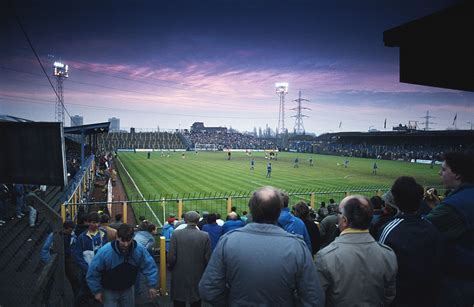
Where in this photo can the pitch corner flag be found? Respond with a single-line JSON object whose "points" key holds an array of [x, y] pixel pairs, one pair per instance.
{"points": [[455, 118], [340, 124], [385, 124]]}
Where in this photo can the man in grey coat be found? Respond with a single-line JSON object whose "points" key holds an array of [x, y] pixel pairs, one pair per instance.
{"points": [[355, 269], [261, 264], [190, 250]]}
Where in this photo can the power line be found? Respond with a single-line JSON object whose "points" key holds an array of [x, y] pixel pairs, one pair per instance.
{"points": [[119, 89], [44, 101]]}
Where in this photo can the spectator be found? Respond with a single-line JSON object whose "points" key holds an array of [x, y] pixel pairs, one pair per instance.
{"points": [[219, 221], [167, 232], [233, 222], [117, 222], [146, 236], [417, 244], [214, 230], [233, 209], [328, 227], [389, 211], [302, 212], [113, 271], [322, 212], [87, 245], [261, 264], [376, 202], [203, 220], [355, 269], [292, 224], [244, 217], [104, 223], [180, 222], [454, 218], [82, 222], [70, 266], [188, 265]]}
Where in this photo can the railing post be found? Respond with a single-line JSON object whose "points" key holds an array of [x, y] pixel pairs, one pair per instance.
{"points": [[63, 212], [163, 266], [229, 204], [124, 206], [180, 208], [72, 211], [311, 202]]}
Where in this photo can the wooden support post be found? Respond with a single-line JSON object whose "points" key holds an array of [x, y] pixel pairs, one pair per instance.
{"points": [[311, 202], [229, 204], [125, 212], [163, 290], [72, 211], [180, 208], [63, 212]]}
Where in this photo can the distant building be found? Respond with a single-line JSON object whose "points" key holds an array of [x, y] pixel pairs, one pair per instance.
{"points": [[199, 127], [77, 120], [114, 124]]}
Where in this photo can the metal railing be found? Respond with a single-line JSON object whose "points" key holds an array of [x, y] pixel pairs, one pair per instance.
{"points": [[157, 208]]}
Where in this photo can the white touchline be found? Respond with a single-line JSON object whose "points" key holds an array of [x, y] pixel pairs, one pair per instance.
{"points": [[136, 187]]}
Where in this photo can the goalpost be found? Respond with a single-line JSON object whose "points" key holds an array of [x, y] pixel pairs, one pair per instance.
{"points": [[205, 147]]}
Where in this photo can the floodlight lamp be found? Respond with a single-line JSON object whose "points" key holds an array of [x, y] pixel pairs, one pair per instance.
{"points": [[58, 65], [281, 87]]}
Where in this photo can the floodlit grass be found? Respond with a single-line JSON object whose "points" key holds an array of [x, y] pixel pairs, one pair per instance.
{"points": [[211, 174]]}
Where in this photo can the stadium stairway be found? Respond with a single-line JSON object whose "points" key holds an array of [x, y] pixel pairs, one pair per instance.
{"points": [[20, 249]]}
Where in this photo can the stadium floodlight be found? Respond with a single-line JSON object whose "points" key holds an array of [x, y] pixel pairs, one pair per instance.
{"points": [[281, 87], [281, 90], [61, 69]]}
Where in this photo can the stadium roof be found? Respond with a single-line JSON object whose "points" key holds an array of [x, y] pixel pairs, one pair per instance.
{"points": [[88, 129], [436, 50], [9, 118]]}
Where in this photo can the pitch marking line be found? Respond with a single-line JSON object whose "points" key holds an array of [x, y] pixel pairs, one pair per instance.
{"points": [[136, 187]]}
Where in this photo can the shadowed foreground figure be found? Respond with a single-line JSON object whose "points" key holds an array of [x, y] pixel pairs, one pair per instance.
{"points": [[261, 264], [190, 250], [454, 218]]}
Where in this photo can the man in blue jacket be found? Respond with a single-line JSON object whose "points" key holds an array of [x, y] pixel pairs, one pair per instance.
{"points": [[291, 223], [113, 271], [87, 245]]}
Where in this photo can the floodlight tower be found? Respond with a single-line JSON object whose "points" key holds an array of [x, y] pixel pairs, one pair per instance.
{"points": [[61, 73], [299, 128], [281, 90]]}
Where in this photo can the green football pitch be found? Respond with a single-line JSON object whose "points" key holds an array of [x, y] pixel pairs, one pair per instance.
{"points": [[208, 174]]}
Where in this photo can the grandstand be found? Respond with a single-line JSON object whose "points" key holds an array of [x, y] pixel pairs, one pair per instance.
{"points": [[24, 280], [141, 140], [394, 145]]}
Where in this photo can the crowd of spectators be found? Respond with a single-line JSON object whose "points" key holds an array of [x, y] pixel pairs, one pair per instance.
{"points": [[386, 152], [229, 140]]}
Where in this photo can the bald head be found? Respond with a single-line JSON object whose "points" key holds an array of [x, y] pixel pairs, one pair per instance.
{"points": [[232, 215], [265, 205], [191, 217], [357, 211]]}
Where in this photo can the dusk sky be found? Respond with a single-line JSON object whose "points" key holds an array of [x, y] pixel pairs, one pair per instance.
{"points": [[171, 63]]}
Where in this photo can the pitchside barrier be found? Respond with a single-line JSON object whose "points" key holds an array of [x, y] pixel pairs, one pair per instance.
{"points": [[157, 208]]}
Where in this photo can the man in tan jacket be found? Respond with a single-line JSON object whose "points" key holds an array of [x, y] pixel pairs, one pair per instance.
{"points": [[355, 269]]}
